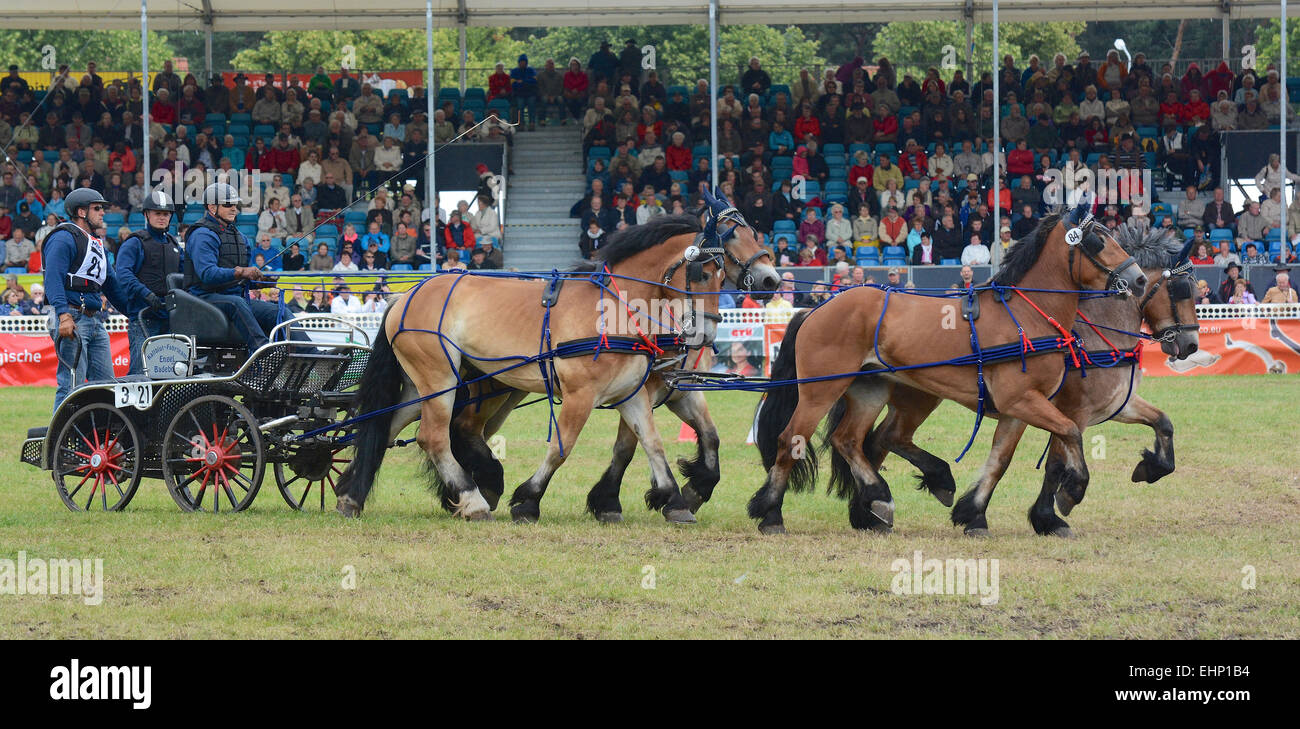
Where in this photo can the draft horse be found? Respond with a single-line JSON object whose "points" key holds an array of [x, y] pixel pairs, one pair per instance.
{"points": [[1105, 390], [912, 339], [440, 333]]}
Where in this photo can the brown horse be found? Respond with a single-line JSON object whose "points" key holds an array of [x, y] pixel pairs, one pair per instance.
{"points": [[1108, 391], [907, 339], [443, 332]]}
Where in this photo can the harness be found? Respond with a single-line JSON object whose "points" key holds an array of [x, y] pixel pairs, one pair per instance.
{"points": [[1085, 238], [1179, 288]]}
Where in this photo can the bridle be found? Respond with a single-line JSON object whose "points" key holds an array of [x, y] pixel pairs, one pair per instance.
{"points": [[1177, 282], [1085, 237]]}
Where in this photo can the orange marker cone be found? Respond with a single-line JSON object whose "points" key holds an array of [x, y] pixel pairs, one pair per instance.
{"points": [[686, 434]]}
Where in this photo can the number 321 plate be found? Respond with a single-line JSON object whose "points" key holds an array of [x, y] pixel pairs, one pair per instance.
{"points": [[133, 394]]}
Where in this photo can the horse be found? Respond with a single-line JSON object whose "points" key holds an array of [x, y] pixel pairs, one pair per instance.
{"points": [[453, 326], [744, 271], [895, 337], [1088, 397]]}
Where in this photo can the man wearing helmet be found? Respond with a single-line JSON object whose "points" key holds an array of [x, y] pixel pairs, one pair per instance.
{"points": [[216, 270], [76, 274], [143, 261]]}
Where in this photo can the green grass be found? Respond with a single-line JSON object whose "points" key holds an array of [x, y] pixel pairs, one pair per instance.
{"points": [[1151, 561]]}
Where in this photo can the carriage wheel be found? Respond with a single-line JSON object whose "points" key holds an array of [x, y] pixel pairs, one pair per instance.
{"points": [[212, 453], [307, 474], [99, 448]]}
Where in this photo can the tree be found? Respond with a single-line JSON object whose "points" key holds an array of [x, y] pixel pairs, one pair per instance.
{"points": [[111, 50], [224, 46], [915, 47], [681, 51], [302, 51], [1268, 47]]}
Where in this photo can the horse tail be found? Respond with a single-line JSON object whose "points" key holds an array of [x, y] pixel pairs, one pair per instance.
{"points": [[776, 408], [380, 388], [842, 482]]}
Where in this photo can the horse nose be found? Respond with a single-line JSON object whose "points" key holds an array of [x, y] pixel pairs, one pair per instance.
{"points": [[770, 282], [1191, 348], [1140, 282]]}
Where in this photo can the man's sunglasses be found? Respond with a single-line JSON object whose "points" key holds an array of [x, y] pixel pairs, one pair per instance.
{"points": [[228, 205], [100, 208]]}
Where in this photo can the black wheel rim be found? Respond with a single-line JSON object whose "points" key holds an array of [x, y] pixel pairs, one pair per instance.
{"points": [[212, 456], [303, 486], [96, 460]]}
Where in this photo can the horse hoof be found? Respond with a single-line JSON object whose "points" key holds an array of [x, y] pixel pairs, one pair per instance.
{"points": [[883, 529], [609, 517], [770, 529], [679, 516], [522, 514], [1064, 502], [348, 508], [491, 497], [978, 533], [944, 497], [479, 516], [884, 511], [1064, 532], [693, 500]]}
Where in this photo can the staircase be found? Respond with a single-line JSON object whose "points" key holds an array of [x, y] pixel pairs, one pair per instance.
{"points": [[547, 181]]}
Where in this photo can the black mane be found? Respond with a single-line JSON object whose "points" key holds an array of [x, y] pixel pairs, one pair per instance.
{"points": [[1150, 247], [636, 238], [1020, 257]]}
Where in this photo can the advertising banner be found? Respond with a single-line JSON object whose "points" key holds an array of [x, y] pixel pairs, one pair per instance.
{"points": [[28, 359]]}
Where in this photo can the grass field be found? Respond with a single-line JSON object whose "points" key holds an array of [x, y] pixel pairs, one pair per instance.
{"points": [[1151, 561]]}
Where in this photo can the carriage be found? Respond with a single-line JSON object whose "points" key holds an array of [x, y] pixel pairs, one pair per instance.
{"points": [[208, 417]]}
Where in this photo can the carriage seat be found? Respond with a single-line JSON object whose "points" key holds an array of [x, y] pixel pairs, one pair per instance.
{"points": [[197, 318]]}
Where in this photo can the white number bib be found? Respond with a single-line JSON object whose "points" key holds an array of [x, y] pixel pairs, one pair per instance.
{"points": [[94, 267]]}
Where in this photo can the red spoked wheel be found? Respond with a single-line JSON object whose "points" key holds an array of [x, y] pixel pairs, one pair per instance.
{"points": [[212, 457], [96, 461], [310, 475]]}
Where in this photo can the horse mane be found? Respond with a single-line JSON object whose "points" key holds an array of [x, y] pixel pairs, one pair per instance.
{"points": [[1151, 247], [633, 239], [1022, 256]]}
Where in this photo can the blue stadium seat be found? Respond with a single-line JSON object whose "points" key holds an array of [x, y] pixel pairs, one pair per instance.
{"points": [[831, 148], [241, 118], [679, 175], [888, 148], [113, 220], [135, 220], [833, 188], [811, 189], [855, 148], [894, 252], [703, 150], [476, 93], [401, 267], [50, 156], [15, 271], [1219, 234], [246, 218], [950, 262], [894, 261], [599, 152], [782, 226], [239, 130], [265, 131], [236, 157]]}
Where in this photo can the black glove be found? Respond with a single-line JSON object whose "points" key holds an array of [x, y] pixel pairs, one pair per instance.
{"points": [[155, 303]]}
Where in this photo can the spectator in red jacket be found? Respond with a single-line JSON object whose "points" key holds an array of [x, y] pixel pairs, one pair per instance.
{"points": [[281, 157], [806, 127], [913, 162], [499, 84], [162, 110], [1173, 111], [1194, 80], [1220, 79], [575, 89], [678, 156], [1196, 111], [650, 122], [862, 167], [886, 128], [1020, 161]]}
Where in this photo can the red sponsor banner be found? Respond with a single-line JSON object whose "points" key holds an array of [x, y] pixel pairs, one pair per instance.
{"points": [[1234, 347], [772, 336], [29, 359], [384, 81]]}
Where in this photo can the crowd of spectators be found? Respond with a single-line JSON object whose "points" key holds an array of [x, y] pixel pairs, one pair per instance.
{"points": [[898, 171], [334, 145]]}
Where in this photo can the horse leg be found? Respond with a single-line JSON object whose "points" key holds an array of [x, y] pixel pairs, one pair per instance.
{"points": [[1042, 515], [1159, 463], [663, 495], [970, 511], [458, 490], [794, 444], [470, 432], [1066, 475], [703, 473], [602, 500], [525, 502], [871, 505], [908, 409]]}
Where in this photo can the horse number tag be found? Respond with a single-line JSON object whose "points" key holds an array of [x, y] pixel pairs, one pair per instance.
{"points": [[691, 253], [1074, 236]]}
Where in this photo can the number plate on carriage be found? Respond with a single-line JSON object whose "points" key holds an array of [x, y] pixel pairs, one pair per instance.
{"points": [[138, 395]]}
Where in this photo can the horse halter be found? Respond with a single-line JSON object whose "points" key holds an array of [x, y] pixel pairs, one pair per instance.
{"points": [[1177, 282], [1087, 239]]}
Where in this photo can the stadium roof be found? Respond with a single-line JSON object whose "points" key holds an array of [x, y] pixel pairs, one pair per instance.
{"points": [[230, 15]]}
